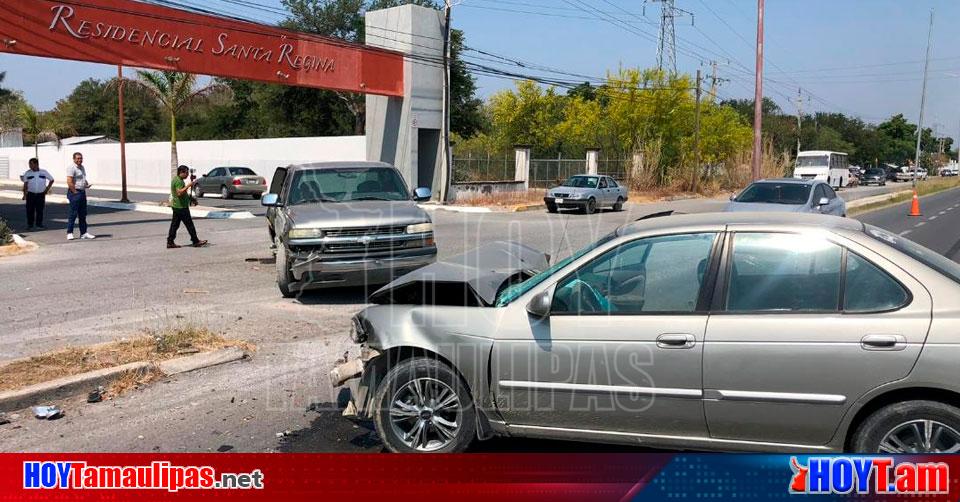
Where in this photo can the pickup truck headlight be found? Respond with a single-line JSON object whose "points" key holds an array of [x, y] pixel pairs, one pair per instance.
{"points": [[305, 233], [420, 228]]}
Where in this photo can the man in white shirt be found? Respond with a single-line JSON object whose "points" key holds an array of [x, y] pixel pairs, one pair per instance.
{"points": [[36, 185], [77, 186]]}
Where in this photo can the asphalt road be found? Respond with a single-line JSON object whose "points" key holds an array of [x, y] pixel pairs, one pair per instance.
{"points": [[80, 292]]}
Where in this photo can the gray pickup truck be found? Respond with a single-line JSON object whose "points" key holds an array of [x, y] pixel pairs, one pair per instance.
{"points": [[345, 224]]}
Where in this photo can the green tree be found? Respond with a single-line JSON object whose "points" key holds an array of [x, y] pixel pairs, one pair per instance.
{"points": [[40, 127], [4, 93], [92, 108], [174, 91]]}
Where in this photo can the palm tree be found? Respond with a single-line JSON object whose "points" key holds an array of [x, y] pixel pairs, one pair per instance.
{"points": [[174, 91], [42, 126]]}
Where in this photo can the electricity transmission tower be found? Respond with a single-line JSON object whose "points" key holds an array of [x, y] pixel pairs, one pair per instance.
{"points": [[667, 43]]}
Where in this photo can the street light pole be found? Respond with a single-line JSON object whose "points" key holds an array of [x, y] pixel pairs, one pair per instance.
{"points": [[923, 102], [758, 97], [447, 161], [123, 136]]}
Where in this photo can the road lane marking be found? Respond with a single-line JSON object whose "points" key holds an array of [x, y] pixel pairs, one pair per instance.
{"points": [[906, 232], [933, 217], [922, 223], [942, 213]]}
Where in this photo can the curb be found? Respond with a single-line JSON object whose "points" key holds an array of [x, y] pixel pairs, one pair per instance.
{"points": [[455, 209], [528, 207], [145, 207], [61, 388], [853, 204]]}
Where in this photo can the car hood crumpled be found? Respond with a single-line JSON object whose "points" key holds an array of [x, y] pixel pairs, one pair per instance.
{"points": [[470, 279]]}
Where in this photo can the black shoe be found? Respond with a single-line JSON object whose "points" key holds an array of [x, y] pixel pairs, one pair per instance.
{"points": [[29, 228], [41, 227], [171, 245], [199, 244]]}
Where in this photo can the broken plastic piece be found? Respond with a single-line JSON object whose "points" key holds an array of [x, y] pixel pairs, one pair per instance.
{"points": [[47, 412], [96, 396]]}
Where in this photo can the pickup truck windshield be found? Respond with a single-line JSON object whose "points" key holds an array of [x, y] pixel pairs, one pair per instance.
{"points": [[511, 293], [581, 182], [775, 193], [346, 184]]}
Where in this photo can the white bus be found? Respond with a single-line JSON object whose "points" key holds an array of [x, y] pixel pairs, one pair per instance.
{"points": [[831, 167]]}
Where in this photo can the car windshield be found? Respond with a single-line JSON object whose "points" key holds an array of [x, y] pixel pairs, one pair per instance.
{"points": [[775, 193], [874, 172], [346, 184], [242, 171], [511, 293], [926, 256], [581, 182]]}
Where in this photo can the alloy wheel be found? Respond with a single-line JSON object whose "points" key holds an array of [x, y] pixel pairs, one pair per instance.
{"points": [[921, 436], [425, 414]]}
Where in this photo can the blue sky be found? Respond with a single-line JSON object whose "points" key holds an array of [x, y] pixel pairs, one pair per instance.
{"points": [[861, 57]]}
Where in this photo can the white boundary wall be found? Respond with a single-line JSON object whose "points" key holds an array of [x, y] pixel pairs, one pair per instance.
{"points": [[148, 164]]}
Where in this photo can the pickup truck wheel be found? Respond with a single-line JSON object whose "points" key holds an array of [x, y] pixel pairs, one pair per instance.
{"points": [[619, 205], [591, 206], [422, 406], [910, 427], [284, 277]]}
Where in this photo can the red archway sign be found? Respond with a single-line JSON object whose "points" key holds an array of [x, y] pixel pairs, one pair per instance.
{"points": [[131, 33]]}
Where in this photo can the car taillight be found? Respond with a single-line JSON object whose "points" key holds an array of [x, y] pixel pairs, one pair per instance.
{"points": [[237, 181], [263, 181]]}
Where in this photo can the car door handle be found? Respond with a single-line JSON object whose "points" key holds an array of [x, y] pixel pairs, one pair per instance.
{"points": [[883, 342], [676, 341]]}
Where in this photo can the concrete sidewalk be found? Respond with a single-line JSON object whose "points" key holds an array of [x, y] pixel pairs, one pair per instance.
{"points": [[146, 207]]}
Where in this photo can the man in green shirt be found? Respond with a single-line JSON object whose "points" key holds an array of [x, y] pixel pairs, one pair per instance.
{"points": [[180, 204]]}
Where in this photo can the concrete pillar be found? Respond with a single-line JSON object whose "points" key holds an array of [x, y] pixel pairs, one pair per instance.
{"points": [[406, 132], [636, 166], [593, 160], [521, 171]]}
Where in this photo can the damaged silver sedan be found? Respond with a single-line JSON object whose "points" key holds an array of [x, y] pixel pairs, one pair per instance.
{"points": [[748, 331]]}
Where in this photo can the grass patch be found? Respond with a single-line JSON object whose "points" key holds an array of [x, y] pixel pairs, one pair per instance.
{"points": [[152, 346], [928, 187]]}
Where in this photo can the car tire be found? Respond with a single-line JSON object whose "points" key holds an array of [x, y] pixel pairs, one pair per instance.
{"points": [[619, 205], [880, 430], [224, 192], [591, 206], [552, 208], [435, 380], [285, 280]]}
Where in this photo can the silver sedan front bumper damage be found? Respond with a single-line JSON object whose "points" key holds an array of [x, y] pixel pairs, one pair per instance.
{"points": [[350, 373]]}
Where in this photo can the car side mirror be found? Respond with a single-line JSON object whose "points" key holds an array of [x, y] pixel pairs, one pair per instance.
{"points": [[270, 200], [422, 194], [733, 197], [539, 306], [823, 201]]}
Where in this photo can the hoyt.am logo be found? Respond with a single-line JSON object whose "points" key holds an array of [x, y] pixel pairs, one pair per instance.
{"points": [[868, 475]]}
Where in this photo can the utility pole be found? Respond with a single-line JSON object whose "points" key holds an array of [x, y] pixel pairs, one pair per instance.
{"points": [[758, 97], [713, 81], [923, 101], [696, 138], [799, 103], [447, 161], [123, 136]]}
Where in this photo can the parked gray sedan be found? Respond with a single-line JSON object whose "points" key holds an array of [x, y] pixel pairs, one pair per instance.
{"points": [[788, 195], [345, 224], [587, 193], [744, 331], [230, 181]]}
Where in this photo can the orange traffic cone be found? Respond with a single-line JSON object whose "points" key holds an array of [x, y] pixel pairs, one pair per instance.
{"points": [[915, 207]]}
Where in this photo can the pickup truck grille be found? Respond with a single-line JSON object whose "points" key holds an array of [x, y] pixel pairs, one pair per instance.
{"points": [[352, 247], [359, 232]]}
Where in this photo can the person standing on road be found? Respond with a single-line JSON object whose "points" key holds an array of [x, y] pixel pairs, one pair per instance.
{"points": [[36, 186], [180, 204], [77, 186]]}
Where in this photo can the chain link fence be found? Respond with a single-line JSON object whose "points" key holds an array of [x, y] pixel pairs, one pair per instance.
{"points": [[499, 167]]}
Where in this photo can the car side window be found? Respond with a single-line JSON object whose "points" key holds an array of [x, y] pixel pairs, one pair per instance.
{"points": [[612, 182], [774, 272], [276, 184], [818, 193], [603, 183], [828, 190], [867, 288], [217, 172], [657, 274]]}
